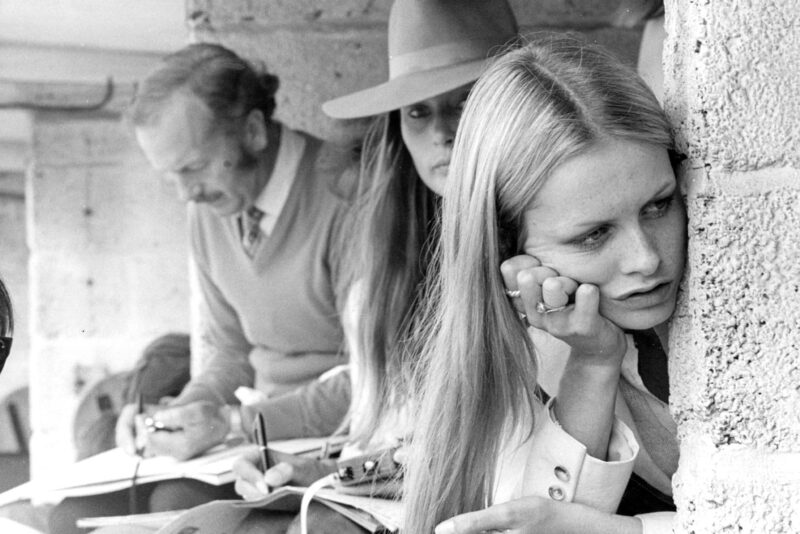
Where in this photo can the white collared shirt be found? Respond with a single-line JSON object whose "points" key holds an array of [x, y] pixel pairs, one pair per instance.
{"points": [[273, 197]]}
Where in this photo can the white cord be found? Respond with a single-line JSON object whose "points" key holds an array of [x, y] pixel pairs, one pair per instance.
{"points": [[308, 496]]}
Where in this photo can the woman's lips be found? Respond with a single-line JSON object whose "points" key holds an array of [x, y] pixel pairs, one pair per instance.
{"points": [[441, 166], [652, 297], [645, 299]]}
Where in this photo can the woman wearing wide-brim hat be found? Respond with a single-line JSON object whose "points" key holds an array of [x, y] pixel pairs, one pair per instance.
{"points": [[437, 49]]}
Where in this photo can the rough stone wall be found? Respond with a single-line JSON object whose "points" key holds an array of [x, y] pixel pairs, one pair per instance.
{"points": [[321, 49], [107, 268], [732, 80]]}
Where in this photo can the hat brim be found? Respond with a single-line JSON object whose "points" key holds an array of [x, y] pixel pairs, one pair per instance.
{"points": [[404, 90]]}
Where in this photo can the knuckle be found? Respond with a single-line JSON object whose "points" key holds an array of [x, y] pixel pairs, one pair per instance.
{"points": [[239, 466], [508, 269], [586, 290], [569, 284], [526, 278]]}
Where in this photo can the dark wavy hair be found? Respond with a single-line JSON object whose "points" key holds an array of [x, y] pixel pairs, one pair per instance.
{"points": [[387, 254], [6, 312], [6, 324], [230, 86]]}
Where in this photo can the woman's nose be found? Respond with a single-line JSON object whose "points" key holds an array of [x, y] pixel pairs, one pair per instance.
{"points": [[444, 130], [640, 254]]}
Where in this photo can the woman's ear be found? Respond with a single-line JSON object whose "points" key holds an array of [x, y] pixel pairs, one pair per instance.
{"points": [[255, 131]]}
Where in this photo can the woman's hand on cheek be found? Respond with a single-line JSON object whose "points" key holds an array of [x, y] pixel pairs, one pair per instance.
{"points": [[538, 515], [562, 307], [510, 269]]}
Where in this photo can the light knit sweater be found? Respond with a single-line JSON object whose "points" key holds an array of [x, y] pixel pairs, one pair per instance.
{"points": [[271, 319]]}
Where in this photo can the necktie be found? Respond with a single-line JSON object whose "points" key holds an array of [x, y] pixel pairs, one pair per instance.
{"points": [[652, 363], [249, 229]]}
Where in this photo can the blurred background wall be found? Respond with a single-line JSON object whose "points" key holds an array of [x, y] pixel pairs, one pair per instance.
{"points": [[102, 270], [94, 250]]}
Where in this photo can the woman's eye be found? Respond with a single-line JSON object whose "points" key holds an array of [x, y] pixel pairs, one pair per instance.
{"points": [[417, 112], [593, 239], [658, 208], [457, 110]]}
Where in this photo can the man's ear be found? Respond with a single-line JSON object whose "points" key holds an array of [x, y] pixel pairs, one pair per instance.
{"points": [[255, 131]]}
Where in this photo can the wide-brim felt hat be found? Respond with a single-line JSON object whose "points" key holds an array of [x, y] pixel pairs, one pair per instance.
{"points": [[435, 46]]}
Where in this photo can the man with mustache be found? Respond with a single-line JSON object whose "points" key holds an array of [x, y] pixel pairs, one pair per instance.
{"points": [[265, 203]]}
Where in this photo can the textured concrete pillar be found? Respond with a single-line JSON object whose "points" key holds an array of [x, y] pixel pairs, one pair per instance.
{"points": [[107, 266], [732, 81]]}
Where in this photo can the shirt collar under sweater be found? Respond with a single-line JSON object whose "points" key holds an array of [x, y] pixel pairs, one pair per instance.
{"points": [[273, 197]]}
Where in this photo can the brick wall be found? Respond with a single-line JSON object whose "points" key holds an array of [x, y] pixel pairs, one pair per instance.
{"points": [[732, 90]]}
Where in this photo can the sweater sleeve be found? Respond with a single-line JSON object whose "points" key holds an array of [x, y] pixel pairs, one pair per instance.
{"points": [[225, 349], [559, 467], [315, 410]]}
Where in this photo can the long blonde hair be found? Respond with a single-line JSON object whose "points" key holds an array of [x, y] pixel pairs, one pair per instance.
{"points": [[534, 108]]}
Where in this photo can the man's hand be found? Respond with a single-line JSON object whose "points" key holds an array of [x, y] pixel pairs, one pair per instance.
{"points": [[126, 429], [252, 484], [182, 431], [538, 515]]}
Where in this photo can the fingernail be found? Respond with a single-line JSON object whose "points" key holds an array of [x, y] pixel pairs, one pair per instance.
{"points": [[271, 478], [445, 528]]}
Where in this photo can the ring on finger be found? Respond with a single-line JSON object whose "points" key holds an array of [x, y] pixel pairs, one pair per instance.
{"points": [[512, 293], [543, 308]]}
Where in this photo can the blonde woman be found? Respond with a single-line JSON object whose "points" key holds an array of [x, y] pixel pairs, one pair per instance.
{"points": [[562, 173]]}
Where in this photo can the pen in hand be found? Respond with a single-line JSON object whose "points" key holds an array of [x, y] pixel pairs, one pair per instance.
{"points": [[139, 445], [260, 436], [137, 439]]}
